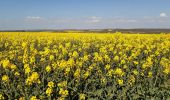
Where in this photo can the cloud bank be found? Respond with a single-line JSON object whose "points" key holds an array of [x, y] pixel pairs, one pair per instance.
{"points": [[90, 22], [163, 14]]}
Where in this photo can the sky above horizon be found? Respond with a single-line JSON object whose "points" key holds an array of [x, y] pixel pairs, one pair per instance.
{"points": [[83, 14]]}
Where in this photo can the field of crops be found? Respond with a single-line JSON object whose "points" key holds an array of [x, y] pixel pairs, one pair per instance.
{"points": [[86, 66]]}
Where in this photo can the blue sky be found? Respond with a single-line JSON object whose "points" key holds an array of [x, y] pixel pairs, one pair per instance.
{"points": [[84, 14]]}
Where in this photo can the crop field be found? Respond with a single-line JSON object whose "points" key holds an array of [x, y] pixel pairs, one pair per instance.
{"points": [[84, 66]]}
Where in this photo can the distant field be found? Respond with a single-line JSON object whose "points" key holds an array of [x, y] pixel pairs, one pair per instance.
{"points": [[134, 31], [93, 66]]}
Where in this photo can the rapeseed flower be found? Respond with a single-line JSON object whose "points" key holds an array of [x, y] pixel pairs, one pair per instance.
{"points": [[5, 78]]}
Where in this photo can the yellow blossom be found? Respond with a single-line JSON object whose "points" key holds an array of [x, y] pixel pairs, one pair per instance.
{"points": [[5, 63], [48, 68], [77, 73], [107, 67], [22, 98], [86, 74], [131, 79], [123, 61], [110, 72], [24, 44], [5, 78], [63, 92], [120, 81], [82, 96], [27, 69], [49, 91], [85, 58], [166, 70], [51, 84], [34, 78], [135, 62], [75, 54], [51, 57], [119, 72], [62, 84], [135, 72], [149, 74], [13, 67], [17, 74], [1, 97], [67, 70], [34, 98], [116, 58]]}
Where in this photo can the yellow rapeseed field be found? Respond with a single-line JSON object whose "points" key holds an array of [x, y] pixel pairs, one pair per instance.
{"points": [[83, 66]]}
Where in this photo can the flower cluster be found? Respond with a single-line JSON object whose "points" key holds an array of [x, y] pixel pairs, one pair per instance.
{"points": [[71, 66]]}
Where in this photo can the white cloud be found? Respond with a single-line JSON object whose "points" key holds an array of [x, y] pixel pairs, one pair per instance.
{"points": [[163, 14], [33, 17], [94, 19]]}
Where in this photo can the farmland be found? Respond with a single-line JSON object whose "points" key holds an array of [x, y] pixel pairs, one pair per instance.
{"points": [[62, 66]]}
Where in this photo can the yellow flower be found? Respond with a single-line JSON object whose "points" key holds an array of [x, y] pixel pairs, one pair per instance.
{"points": [[24, 44], [1, 97], [149, 74], [27, 69], [135, 62], [85, 58], [142, 73], [68, 45], [125, 67], [79, 64], [107, 67], [5, 63], [32, 59], [86, 74], [82, 96], [119, 72], [116, 58], [33, 98], [166, 70], [51, 57], [34, 78], [16, 73], [67, 70], [46, 51], [48, 68], [120, 81], [70, 62], [51, 84], [22, 98], [62, 64], [131, 79], [62, 84], [49, 91], [110, 73], [5, 78], [123, 61], [97, 57], [42, 59], [75, 54], [13, 67], [135, 72], [107, 58], [103, 80], [148, 63], [61, 98], [77, 73], [63, 92]]}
